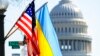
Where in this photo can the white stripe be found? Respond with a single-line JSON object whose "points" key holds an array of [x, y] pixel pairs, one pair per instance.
{"points": [[30, 33], [28, 16], [30, 25]]}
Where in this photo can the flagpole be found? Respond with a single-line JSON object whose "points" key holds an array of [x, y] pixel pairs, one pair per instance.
{"points": [[9, 34], [15, 23], [14, 26], [41, 7], [12, 32], [9, 31]]}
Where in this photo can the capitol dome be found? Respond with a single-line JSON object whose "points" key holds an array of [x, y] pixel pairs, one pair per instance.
{"points": [[66, 9], [71, 29]]}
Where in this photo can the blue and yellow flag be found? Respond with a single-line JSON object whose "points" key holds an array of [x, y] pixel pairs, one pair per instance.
{"points": [[48, 41]]}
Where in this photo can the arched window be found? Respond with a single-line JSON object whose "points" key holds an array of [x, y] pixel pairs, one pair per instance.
{"points": [[73, 30], [76, 30], [80, 30], [65, 14], [56, 14], [59, 14], [61, 45], [71, 14], [66, 29], [62, 13], [69, 30], [68, 14], [62, 29]]}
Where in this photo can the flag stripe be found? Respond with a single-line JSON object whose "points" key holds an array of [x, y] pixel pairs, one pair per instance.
{"points": [[27, 17], [24, 29], [49, 37], [28, 35], [44, 46], [26, 23], [35, 34]]}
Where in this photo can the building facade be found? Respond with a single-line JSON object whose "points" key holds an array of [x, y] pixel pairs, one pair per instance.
{"points": [[71, 29]]}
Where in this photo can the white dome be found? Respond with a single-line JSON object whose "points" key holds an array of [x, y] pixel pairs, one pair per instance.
{"points": [[66, 9], [71, 29]]}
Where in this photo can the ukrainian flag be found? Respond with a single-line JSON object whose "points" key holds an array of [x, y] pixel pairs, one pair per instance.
{"points": [[48, 42]]}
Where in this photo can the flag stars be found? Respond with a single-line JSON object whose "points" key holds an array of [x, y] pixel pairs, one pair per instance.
{"points": [[30, 9], [31, 14], [27, 11]]}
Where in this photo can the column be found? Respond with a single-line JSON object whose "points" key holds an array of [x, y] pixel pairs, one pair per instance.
{"points": [[72, 45], [81, 45], [90, 46], [76, 45], [64, 44], [68, 45], [82, 48], [84, 45]]}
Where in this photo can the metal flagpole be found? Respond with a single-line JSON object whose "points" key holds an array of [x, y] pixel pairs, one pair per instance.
{"points": [[13, 27]]}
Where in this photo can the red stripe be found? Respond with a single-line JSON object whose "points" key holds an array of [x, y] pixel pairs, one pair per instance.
{"points": [[31, 49], [24, 31], [35, 40], [25, 24], [24, 16], [28, 36], [30, 32], [35, 36]]}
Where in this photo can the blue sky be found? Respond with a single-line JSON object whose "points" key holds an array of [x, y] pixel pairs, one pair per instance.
{"points": [[90, 10]]}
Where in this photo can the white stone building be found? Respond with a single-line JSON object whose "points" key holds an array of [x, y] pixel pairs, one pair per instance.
{"points": [[71, 29]]}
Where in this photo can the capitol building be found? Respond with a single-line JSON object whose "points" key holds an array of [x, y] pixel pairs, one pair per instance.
{"points": [[71, 29]]}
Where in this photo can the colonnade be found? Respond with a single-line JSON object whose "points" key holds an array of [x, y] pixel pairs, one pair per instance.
{"points": [[75, 45]]}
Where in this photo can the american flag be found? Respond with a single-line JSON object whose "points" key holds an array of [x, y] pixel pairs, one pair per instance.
{"points": [[26, 24]]}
